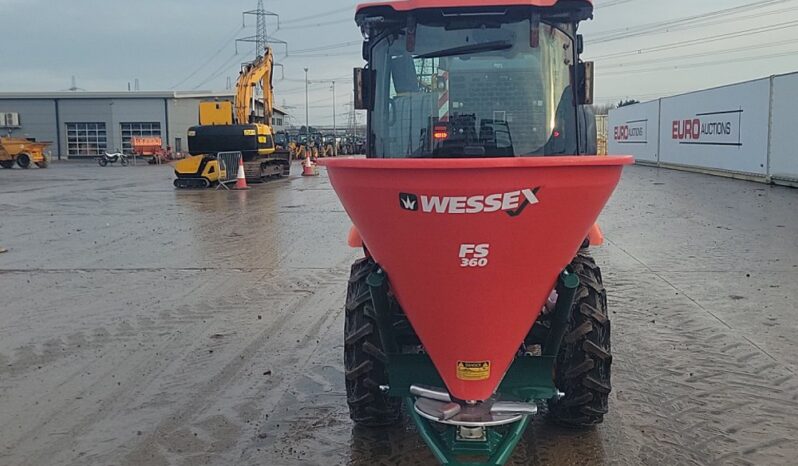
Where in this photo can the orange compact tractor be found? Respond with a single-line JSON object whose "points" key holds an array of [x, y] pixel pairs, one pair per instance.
{"points": [[476, 303]]}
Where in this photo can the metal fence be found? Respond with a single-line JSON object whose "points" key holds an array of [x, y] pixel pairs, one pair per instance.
{"points": [[228, 167], [744, 130], [601, 134]]}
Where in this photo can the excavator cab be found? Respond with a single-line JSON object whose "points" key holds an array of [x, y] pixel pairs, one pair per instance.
{"points": [[281, 140]]}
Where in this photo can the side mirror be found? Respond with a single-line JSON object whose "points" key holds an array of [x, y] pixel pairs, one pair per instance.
{"points": [[364, 89], [585, 74]]}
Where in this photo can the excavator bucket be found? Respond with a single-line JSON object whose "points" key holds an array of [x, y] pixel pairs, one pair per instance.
{"points": [[473, 247]]}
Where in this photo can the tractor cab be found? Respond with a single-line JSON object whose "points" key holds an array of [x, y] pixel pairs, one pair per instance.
{"points": [[477, 80]]}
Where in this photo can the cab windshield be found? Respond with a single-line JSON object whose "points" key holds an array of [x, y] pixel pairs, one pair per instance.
{"points": [[497, 90]]}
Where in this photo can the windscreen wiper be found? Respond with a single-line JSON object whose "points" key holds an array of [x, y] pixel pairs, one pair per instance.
{"points": [[466, 49]]}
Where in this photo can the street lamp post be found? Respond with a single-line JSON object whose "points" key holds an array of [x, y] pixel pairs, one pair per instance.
{"points": [[307, 109], [335, 130]]}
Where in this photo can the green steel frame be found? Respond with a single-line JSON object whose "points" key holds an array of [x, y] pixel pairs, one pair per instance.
{"points": [[528, 379], [497, 448]]}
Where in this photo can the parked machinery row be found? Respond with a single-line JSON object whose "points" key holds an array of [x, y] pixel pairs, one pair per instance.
{"points": [[319, 144]]}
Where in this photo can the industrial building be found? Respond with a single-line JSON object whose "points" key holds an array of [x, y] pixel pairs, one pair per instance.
{"points": [[86, 124]]}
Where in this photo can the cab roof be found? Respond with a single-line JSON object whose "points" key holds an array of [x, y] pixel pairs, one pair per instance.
{"points": [[408, 5]]}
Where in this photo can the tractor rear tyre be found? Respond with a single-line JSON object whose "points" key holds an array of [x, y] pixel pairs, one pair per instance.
{"points": [[7, 163], [23, 160], [582, 370], [364, 357]]}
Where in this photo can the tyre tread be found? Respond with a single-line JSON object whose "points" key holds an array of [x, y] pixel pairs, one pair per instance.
{"points": [[582, 369], [364, 359]]}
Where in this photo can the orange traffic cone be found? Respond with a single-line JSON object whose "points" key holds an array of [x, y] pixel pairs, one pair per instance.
{"points": [[308, 167], [241, 178]]}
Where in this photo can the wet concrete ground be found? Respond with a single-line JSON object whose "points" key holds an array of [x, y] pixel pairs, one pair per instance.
{"points": [[142, 325]]}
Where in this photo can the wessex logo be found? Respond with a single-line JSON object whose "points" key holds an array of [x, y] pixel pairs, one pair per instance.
{"points": [[513, 203], [408, 201]]}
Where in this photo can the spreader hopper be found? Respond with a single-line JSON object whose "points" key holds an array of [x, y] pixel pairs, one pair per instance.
{"points": [[473, 248]]}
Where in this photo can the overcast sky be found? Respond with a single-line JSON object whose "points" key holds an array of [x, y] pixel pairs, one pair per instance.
{"points": [[188, 44]]}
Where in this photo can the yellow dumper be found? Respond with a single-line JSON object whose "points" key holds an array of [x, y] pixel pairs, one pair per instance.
{"points": [[22, 151]]}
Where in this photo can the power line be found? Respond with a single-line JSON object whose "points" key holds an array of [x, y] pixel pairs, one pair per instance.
{"points": [[328, 47], [610, 3], [703, 40], [218, 71], [702, 54], [638, 96], [315, 25], [705, 64], [317, 15], [686, 23], [321, 55], [295, 90], [657, 26], [226, 43], [336, 78], [713, 18], [329, 97], [699, 24]]}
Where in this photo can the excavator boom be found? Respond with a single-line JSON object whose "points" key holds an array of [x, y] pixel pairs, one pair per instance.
{"points": [[258, 72]]}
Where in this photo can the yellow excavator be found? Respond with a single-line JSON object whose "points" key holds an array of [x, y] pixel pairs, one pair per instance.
{"points": [[238, 126]]}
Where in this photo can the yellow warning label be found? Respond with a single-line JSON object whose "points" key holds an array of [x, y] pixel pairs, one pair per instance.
{"points": [[473, 370], [250, 132], [262, 139]]}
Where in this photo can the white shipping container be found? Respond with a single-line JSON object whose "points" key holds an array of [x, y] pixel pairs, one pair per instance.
{"points": [[634, 130], [784, 132], [719, 129]]}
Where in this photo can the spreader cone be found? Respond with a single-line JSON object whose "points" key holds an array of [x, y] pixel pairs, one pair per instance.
{"points": [[473, 247]]}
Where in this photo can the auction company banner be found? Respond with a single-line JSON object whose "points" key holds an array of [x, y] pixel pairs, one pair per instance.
{"points": [[634, 130], [784, 136], [721, 129]]}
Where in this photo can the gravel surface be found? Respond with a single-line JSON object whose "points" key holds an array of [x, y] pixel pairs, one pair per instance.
{"points": [[147, 326]]}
